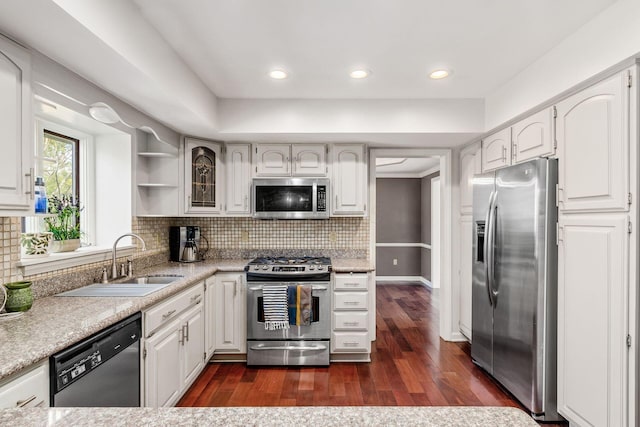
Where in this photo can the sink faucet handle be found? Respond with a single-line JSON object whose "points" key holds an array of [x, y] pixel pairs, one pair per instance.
{"points": [[129, 267], [105, 277], [123, 270]]}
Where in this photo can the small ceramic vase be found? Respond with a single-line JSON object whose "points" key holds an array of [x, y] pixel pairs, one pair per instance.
{"points": [[19, 296]]}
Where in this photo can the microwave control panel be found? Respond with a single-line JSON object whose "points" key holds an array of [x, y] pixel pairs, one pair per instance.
{"points": [[322, 198]]}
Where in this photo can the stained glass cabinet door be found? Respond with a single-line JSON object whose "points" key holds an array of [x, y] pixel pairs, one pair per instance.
{"points": [[203, 176]]}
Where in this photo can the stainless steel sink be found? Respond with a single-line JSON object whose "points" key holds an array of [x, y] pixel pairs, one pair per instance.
{"points": [[136, 287]]}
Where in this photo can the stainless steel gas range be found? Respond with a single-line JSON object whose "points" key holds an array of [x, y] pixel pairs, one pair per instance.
{"points": [[288, 311]]}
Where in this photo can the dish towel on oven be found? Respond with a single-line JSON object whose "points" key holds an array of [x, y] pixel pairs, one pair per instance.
{"points": [[299, 300], [274, 304]]}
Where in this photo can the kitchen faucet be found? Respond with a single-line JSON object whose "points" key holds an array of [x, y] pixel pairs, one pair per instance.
{"points": [[114, 268]]}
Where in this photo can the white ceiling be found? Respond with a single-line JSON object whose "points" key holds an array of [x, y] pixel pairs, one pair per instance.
{"points": [[231, 45], [174, 59]]}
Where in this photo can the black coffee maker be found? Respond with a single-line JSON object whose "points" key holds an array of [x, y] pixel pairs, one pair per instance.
{"points": [[184, 244]]}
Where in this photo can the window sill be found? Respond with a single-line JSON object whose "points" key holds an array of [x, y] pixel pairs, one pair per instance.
{"points": [[61, 260]]}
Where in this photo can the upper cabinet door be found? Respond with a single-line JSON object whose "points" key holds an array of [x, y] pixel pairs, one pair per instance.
{"points": [[533, 137], [309, 159], [238, 167], [16, 162], [349, 181], [593, 147], [496, 150], [273, 159], [203, 176], [470, 165]]}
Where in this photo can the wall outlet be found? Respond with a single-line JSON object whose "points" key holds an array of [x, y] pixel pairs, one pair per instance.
{"points": [[244, 236], [395, 261]]}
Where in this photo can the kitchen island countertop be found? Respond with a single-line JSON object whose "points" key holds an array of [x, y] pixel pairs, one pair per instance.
{"points": [[450, 416]]}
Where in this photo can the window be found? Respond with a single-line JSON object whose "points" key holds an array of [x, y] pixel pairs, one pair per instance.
{"points": [[59, 164]]}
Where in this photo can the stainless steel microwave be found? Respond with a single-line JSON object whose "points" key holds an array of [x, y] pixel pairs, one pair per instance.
{"points": [[290, 198]]}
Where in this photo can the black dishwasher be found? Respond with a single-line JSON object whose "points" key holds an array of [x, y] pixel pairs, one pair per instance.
{"points": [[103, 370]]}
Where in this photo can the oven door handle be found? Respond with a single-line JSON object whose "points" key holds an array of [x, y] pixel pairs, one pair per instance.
{"points": [[290, 347], [313, 288]]}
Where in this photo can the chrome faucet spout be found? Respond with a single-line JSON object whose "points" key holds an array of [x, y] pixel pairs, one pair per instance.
{"points": [[114, 267]]}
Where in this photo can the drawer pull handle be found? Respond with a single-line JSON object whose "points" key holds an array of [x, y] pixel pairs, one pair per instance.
{"points": [[350, 343], [351, 323], [168, 314], [352, 284], [352, 303], [25, 402]]}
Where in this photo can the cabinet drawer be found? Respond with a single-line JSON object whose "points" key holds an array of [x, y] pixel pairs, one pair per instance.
{"points": [[29, 390], [350, 342], [169, 309], [351, 300], [350, 281], [351, 321]]}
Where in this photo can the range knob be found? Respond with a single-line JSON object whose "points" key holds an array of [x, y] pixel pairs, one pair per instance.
{"points": [[311, 267], [321, 267], [264, 267], [256, 267]]}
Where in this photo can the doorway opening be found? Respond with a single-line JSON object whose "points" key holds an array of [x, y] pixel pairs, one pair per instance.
{"points": [[402, 243]]}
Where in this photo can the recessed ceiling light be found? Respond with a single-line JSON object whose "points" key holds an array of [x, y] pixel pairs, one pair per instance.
{"points": [[439, 74], [359, 74], [278, 74]]}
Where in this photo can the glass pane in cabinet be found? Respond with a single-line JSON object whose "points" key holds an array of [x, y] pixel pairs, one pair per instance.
{"points": [[203, 177]]}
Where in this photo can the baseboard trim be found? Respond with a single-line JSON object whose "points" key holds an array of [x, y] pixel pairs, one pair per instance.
{"points": [[420, 279], [457, 337]]}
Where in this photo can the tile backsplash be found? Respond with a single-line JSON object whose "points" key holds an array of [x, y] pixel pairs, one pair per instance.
{"points": [[227, 237]]}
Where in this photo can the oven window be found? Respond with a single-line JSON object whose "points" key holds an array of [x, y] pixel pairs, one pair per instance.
{"points": [[315, 310], [284, 198]]}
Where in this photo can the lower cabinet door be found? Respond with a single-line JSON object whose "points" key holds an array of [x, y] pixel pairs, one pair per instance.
{"points": [[163, 381], [466, 254], [593, 360], [350, 342], [230, 314], [193, 332]]}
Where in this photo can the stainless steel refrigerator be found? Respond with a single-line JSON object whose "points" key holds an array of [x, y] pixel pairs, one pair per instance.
{"points": [[514, 290]]}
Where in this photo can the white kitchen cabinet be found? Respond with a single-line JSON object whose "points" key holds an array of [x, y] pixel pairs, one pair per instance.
{"points": [[27, 389], [470, 165], [238, 173], [230, 313], [209, 312], [350, 338], [203, 177], [291, 160], [592, 319], [16, 121], [309, 159], [273, 159], [349, 180], [592, 130], [173, 347], [466, 255], [162, 353], [193, 342], [157, 177], [496, 150], [533, 137]]}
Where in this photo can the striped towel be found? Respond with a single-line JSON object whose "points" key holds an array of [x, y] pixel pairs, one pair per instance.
{"points": [[274, 303]]}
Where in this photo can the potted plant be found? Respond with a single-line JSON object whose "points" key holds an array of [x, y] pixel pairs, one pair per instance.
{"points": [[64, 224], [35, 244]]}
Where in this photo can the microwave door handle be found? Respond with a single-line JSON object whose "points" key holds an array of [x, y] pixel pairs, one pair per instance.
{"points": [[488, 259]]}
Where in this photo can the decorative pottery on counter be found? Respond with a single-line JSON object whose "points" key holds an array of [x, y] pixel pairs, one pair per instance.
{"points": [[19, 296], [35, 244], [65, 245]]}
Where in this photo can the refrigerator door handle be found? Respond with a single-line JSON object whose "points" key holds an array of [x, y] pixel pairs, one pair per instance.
{"points": [[488, 248], [493, 291]]}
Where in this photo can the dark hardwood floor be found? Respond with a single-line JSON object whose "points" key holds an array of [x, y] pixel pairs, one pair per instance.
{"points": [[410, 365]]}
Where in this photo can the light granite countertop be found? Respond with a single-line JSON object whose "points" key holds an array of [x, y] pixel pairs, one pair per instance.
{"points": [[348, 265], [54, 323], [451, 416]]}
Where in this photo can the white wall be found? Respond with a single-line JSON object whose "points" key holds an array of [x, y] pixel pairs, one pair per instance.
{"points": [[113, 185], [351, 116], [610, 37]]}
